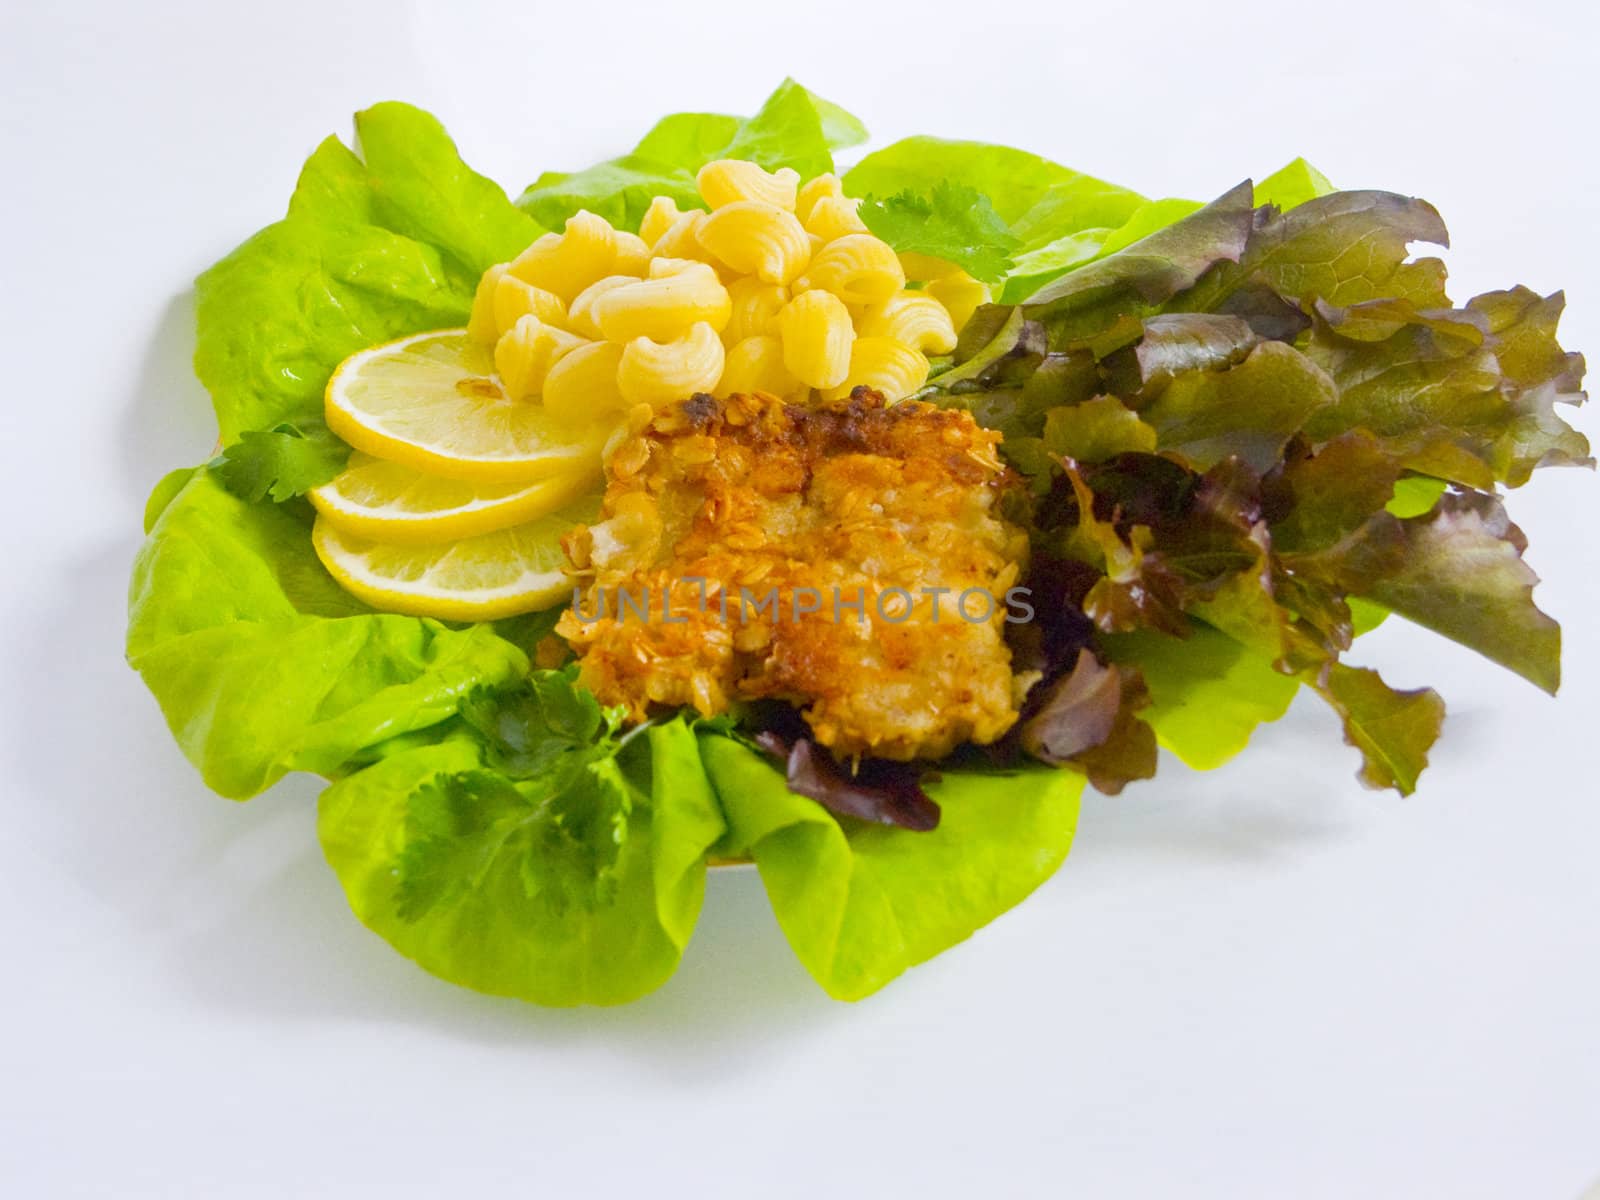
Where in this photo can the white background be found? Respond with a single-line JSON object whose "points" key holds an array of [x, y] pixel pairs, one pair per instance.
{"points": [[1264, 982]]}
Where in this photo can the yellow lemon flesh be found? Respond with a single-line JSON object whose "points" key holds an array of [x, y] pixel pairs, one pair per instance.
{"points": [[432, 402], [483, 578], [387, 502]]}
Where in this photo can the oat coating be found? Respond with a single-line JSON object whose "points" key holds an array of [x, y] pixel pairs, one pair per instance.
{"points": [[757, 497]]}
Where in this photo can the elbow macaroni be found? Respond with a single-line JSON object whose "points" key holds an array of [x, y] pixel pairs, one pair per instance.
{"points": [[651, 372], [833, 217], [915, 318], [884, 365], [814, 190], [730, 180], [756, 238], [664, 307], [960, 294], [481, 325], [779, 288], [515, 299], [581, 316], [583, 382], [755, 308], [569, 262], [817, 334], [858, 268], [524, 355], [662, 214], [755, 364]]}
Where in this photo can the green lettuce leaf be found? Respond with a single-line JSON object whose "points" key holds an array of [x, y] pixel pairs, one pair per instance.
{"points": [[422, 190], [263, 665], [1208, 693], [371, 250], [475, 878], [1033, 194], [1292, 184], [283, 310], [794, 128], [1057, 217], [861, 905]]}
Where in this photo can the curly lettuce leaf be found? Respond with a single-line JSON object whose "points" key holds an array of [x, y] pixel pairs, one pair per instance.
{"points": [[372, 249], [862, 904], [263, 665], [1392, 729], [1248, 412], [283, 310], [422, 190], [1016, 181], [1458, 570], [1057, 217], [794, 128], [1343, 247], [473, 876]]}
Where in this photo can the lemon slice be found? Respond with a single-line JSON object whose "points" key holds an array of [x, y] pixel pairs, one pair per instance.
{"points": [[432, 402], [481, 578], [384, 501]]}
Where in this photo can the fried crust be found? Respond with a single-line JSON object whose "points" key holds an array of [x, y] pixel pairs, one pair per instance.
{"points": [[754, 496]]}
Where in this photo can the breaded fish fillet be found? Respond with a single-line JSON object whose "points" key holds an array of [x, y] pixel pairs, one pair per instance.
{"points": [[767, 542]]}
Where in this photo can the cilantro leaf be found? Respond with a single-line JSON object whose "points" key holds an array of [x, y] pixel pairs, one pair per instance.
{"points": [[551, 811], [282, 462], [952, 221], [526, 731]]}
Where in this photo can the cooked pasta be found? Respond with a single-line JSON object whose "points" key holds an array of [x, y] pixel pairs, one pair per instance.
{"points": [[662, 214], [583, 382], [913, 317], [664, 307], [833, 217], [515, 298], [525, 353], [680, 240], [960, 294], [923, 267], [884, 365], [569, 262], [756, 306], [816, 331], [481, 325], [729, 180], [580, 317], [633, 254], [652, 372], [755, 238], [812, 191], [779, 288], [858, 268], [755, 364]]}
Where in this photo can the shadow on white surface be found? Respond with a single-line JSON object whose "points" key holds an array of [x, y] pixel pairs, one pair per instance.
{"points": [[168, 422], [240, 911], [234, 902]]}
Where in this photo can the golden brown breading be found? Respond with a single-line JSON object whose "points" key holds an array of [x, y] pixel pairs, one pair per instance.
{"points": [[754, 496]]}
